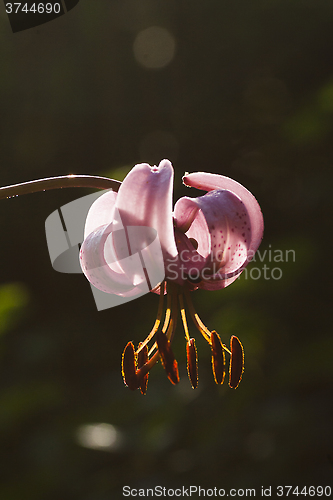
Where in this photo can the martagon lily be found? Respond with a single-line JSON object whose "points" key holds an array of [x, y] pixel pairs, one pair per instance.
{"points": [[205, 242]]}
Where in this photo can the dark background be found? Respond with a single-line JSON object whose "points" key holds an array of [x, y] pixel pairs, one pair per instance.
{"points": [[248, 94]]}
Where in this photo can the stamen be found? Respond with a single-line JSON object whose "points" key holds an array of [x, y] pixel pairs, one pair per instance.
{"points": [[196, 320], [191, 350], [166, 319], [128, 365], [226, 349], [142, 359], [148, 365], [183, 315], [192, 362], [236, 367], [173, 292], [168, 309], [136, 364], [168, 331], [218, 358], [157, 321], [167, 357], [167, 313]]}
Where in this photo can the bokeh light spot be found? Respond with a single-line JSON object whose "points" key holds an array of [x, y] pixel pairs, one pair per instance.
{"points": [[98, 436], [154, 47]]}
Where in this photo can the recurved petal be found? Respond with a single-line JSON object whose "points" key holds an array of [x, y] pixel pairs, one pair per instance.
{"points": [[210, 182], [227, 229], [101, 267], [145, 199], [217, 282], [189, 261], [100, 212], [189, 219], [139, 255]]}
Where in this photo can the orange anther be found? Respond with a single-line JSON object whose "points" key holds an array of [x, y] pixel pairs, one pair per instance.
{"points": [[142, 359], [167, 357], [192, 363], [236, 362], [218, 358], [128, 365]]}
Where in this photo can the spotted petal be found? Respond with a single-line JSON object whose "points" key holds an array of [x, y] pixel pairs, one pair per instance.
{"points": [[225, 226], [210, 182]]}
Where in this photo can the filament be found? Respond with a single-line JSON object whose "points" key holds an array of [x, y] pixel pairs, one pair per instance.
{"points": [[196, 320], [183, 314], [157, 321]]}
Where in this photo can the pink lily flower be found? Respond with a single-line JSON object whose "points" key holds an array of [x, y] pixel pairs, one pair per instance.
{"points": [[205, 242]]}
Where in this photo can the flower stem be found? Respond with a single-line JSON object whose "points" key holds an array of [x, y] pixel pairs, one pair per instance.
{"points": [[63, 181]]}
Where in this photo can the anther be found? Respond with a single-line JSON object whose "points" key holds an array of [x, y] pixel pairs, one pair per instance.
{"points": [[236, 362], [218, 358], [142, 359], [167, 357], [128, 365], [192, 362]]}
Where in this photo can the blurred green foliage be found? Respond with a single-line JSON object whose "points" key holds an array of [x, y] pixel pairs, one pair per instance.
{"points": [[14, 299], [248, 95]]}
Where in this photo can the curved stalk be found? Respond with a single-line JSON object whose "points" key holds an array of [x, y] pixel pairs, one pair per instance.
{"points": [[63, 181]]}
